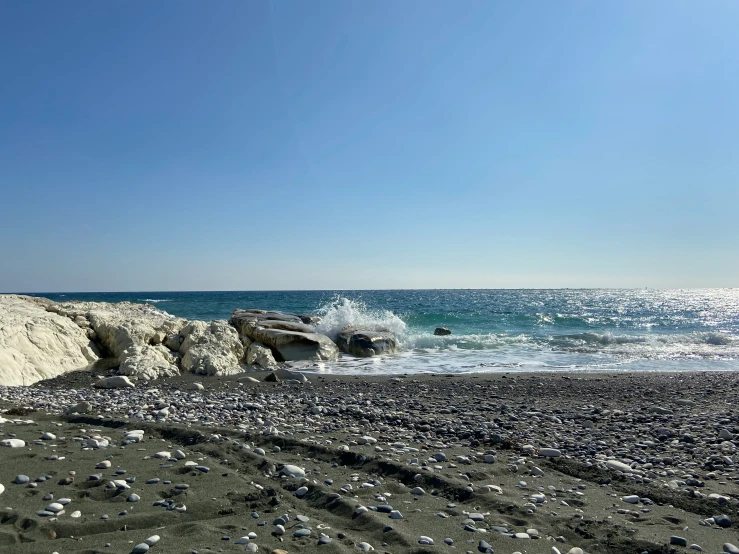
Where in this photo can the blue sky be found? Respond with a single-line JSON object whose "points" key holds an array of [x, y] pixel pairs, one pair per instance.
{"points": [[232, 145]]}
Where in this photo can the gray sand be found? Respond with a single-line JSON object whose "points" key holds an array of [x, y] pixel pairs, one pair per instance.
{"points": [[524, 454]]}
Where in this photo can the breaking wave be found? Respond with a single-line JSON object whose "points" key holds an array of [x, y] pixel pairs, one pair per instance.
{"points": [[340, 313]]}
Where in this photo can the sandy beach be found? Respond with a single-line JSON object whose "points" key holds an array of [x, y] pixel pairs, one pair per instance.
{"points": [[529, 463]]}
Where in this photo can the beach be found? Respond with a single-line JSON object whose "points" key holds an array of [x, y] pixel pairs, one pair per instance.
{"points": [[529, 463]]}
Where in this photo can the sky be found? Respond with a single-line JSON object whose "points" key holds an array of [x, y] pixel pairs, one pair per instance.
{"points": [[255, 145]]}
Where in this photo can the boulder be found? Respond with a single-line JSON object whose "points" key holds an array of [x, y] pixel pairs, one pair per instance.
{"points": [[148, 362], [37, 344], [282, 374], [125, 324], [285, 334], [211, 348], [116, 382], [442, 331], [365, 342], [258, 354]]}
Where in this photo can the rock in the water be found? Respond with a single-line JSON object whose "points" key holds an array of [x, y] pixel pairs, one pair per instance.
{"points": [[366, 342], [285, 334], [37, 344], [442, 331], [116, 382]]}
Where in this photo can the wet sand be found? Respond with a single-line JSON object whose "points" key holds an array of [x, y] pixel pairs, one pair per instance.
{"points": [[519, 461]]}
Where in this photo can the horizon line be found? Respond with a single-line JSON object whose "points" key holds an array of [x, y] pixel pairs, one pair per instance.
{"points": [[28, 293]]}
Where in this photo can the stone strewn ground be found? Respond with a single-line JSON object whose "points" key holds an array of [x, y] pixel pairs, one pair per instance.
{"points": [[534, 463]]}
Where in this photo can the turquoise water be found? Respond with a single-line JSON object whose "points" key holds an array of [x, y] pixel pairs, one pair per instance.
{"points": [[501, 330]]}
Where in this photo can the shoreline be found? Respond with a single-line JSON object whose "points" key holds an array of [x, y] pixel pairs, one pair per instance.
{"points": [[469, 441]]}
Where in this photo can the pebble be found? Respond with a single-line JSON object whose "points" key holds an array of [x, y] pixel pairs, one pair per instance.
{"points": [[678, 541], [730, 548], [140, 548], [21, 479]]}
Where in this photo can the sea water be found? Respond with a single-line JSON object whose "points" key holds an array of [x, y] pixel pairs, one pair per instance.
{"points": [[499, 330]]}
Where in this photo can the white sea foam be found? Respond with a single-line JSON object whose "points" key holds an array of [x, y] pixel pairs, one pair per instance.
{"points": [[343, 312], [154, 300]]}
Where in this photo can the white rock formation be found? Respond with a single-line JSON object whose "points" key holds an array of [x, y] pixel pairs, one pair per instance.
{"points": [[258, 354], [148, 362], [125, 324], [116, 382], [36, 344], [211, 348]]}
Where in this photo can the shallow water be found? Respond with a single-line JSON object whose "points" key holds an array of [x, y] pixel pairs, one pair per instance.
{"points": [[501, 330]]}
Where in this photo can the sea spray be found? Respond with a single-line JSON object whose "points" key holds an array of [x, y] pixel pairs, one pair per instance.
{"points": [[341, 313]]}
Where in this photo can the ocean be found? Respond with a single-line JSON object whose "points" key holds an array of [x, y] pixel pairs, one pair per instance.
{"points": [[499, 330]]}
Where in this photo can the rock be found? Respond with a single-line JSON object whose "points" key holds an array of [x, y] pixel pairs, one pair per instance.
{"points": [[196, 386], [678, 541], [117, 382], [258, 354], [151, 541], [725, 434], [21, 479], [285, 334], [575, 550], [211, 348], [618, 466], [366, 342], [148, 362], [632, 499], [549, 452], [442, 331], [125, 324], [301, 492], [13, 443], [292, 471], [722, 521], [418, 491], [140, 548], [282, 374], [81, 408], [484, 547], [730, 548], [37, 344]]}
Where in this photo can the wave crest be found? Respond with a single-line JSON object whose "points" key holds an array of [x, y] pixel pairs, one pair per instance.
{"points": [[341, 312]]}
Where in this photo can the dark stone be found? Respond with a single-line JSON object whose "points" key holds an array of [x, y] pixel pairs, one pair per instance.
{"points": [[442, 331], [366, 342]]}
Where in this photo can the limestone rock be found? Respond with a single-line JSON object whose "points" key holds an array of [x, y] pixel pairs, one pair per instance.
{"points": [[258, 354], [285, 334], [366, 342], [37, 344], [211, 348], [117, 382], [125, 324], [148, 362]]}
